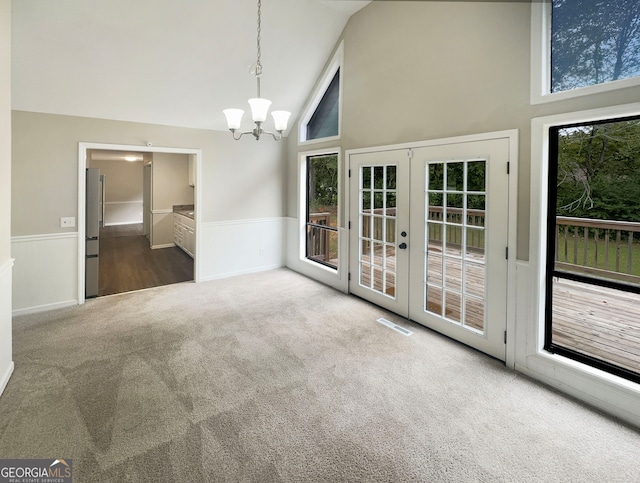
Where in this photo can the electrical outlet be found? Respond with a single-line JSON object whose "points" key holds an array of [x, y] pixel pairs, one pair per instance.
{"points": [[261, 251], [67, 221]]}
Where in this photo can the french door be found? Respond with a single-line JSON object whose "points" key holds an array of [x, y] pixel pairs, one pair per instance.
{"points": [[428, 238]]}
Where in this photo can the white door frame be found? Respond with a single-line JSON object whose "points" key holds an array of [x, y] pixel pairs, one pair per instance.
{"points": [[512, 136], [82, 166]]}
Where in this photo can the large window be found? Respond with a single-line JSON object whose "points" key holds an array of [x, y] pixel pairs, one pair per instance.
{"points": [[322, 209], [320, 119], [593, 245], [593, 42], [324, 121]]}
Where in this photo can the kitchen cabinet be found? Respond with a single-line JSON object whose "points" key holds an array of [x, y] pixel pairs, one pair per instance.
{"points": [[184, 233]]}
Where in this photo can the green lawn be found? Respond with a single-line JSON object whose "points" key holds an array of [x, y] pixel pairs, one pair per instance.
{"points": [[568, 256]]}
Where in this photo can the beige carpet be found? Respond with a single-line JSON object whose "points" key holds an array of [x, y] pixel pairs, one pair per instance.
{"points": [[273, 377]]}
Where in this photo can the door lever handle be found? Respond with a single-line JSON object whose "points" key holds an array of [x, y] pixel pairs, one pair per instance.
{"points": [[402, 246]]}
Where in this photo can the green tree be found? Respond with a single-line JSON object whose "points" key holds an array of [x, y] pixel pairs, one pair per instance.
{"points": [[598, 174], [594, 41]]}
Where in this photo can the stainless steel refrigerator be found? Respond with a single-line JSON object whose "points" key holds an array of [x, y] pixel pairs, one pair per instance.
{"points": [[95, 219]]}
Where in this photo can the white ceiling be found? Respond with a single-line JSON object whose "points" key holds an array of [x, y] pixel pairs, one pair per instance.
{"points": [[168, 62]]}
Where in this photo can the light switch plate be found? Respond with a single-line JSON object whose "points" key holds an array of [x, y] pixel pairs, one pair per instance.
{"points": [[67, 221]]}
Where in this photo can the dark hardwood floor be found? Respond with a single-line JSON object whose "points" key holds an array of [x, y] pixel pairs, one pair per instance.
{"points": [[128, 263]]}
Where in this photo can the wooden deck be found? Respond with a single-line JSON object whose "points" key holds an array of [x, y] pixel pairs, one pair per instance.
{"points": [[474, 284], [599, 322], [595, 321]]}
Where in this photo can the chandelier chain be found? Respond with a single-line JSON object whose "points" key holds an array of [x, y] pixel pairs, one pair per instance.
{"points": [[258, 63]]}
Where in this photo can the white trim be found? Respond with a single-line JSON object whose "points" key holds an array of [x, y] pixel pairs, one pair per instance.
{"points": [[311, 266], [5, 378], [512, 244], [43, 237], [235, 273], [509, 133], [541, 62], [125, 223], [123, 202], [82, 165], [6, 266], [162, 212], [327, 76], [45, 308], [165, 245], [606, 391], [6, 282]]}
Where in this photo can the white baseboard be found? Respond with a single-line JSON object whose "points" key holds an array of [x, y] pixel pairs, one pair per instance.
{"points": [[5, 378], [125, 223], [220, 276], [6, 325], [45, 307], [166, 245]]}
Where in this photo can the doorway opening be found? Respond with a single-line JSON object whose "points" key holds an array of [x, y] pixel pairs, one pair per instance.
{"points": [[142, 231], [430, 234]]}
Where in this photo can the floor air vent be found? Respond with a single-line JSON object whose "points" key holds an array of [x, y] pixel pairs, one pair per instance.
{"points": [[395, 327]]}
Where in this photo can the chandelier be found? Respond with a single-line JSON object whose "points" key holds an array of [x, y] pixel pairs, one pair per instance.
{"points": [[259, 106]]}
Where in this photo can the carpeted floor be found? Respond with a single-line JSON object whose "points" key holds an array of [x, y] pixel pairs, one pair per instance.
{"points": [[273, 377]]}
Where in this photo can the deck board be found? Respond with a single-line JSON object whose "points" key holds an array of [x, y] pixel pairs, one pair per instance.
{"points": [[599, 322]]}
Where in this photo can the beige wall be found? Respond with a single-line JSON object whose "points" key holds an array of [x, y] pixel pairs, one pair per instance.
{"points": [[170, 186], [417, 71], [240, 179], [124, 179], [170, 181]]}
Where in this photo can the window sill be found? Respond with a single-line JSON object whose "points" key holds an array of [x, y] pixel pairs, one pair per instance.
{"points": [[612, 86], [318, 141]]}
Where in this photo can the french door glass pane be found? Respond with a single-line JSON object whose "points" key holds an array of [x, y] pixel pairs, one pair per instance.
{"points": [[378, 228], [455, 203]]}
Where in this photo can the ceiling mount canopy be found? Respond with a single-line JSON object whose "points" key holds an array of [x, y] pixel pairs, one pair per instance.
{"points": [[259, 106]]}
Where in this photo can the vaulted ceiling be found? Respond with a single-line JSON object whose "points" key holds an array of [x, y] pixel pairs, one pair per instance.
{"points": [[170, 62]]}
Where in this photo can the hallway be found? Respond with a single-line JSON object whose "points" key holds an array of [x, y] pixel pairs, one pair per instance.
{"points": [[127, 262]]}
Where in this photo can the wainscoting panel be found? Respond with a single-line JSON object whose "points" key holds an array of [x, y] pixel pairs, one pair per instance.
{"points": [[6, 357], [45, 274], [122, 212], [237, 247]]}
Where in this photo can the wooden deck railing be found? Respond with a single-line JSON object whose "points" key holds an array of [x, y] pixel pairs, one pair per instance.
{"points": [[455, 216], [598, 247], [318, 245]]}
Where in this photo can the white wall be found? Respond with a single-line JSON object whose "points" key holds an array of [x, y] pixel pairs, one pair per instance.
{"points": [[241, 183], [6, 362]]}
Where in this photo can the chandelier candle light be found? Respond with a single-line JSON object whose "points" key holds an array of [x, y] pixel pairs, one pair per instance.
{"points": [[259, 106]]}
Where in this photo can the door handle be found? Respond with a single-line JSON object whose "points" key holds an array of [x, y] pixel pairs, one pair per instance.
{"points": [[402, 246]]}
